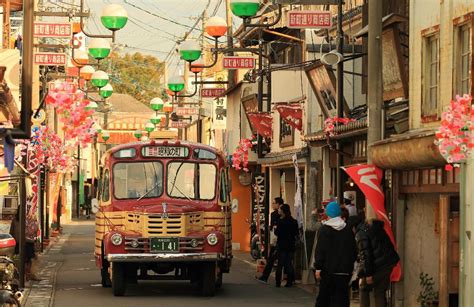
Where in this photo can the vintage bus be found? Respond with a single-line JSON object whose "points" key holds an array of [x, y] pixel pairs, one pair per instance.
{"points": [[163, 212]]}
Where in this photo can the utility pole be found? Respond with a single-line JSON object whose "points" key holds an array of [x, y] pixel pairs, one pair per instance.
{"points": [[375, 96], [340, 100], [78, 200], [228, 15]]}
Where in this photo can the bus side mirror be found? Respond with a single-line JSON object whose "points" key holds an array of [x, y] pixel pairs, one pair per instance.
{"points": [[94, 205]]}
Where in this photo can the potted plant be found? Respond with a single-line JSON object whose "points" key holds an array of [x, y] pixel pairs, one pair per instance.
{"points": [[427, 297]]}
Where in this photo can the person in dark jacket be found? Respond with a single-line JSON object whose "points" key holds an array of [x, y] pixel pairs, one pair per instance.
{"points": [[272, 256], [336, 252], [286, 232], [377, 257]]}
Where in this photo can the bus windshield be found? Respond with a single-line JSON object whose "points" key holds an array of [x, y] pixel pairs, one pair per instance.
{"points": [[191, 180], [138, 180]]}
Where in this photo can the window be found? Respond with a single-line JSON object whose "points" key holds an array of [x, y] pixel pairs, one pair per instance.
{"points": [[191, 180], [138, 180], [106, 186], [463, 60], [223, 188], [431, 75]]}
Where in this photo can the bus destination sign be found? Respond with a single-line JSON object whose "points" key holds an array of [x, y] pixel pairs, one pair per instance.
{"points": [[165, 151]]}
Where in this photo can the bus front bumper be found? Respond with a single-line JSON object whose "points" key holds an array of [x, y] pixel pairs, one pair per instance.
{"points": [[164, 257]]}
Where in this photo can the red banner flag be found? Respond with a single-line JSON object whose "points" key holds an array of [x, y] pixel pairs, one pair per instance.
{"points": [[369, 178], [262, 122], [292, 114]]}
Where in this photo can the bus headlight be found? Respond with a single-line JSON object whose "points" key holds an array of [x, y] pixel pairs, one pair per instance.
{"points": [[116, 239], [212, 239]]}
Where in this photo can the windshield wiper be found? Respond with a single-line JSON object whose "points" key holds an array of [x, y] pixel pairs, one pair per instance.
{"points": [[174, 183], [148, 192]]}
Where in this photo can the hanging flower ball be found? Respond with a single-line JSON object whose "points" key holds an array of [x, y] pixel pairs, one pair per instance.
{"points": [[454, 137]]}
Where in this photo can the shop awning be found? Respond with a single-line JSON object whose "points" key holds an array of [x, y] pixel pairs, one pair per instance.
{"points": [[284, 157], [415, 149]]}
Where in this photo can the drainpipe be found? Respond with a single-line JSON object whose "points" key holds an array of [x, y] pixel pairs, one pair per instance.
{"points": [[463, 294]]}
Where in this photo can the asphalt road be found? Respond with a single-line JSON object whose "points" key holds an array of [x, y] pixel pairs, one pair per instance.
{"points": [[75, 281]]}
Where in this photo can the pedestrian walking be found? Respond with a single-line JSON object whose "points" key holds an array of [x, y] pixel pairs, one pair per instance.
{"points": [[287, 233], [272, 256], [336, 252], [377, 257]]}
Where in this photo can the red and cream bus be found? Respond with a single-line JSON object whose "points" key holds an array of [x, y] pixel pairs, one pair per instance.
{"points": [[163, 212]]}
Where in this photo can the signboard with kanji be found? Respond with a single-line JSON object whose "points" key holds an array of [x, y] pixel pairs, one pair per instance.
{"points": [[309, 19], [183, 111], [69, 87], [219, 114], [49, 58], [212, 92], [237, 62], [53, 29], [178, 124]]}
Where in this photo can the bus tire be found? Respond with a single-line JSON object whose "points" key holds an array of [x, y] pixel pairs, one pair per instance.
{"points": [[219, 280], [104, 271], [118, 279], [208, 285]]}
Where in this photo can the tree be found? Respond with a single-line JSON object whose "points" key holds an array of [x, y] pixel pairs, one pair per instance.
{"points": [[137, 75]]}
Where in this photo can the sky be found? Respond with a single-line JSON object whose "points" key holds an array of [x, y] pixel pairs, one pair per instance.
{"points": [[148, 32]]}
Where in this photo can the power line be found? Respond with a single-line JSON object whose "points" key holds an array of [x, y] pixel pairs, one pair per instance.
{"points": [[156, 15]]}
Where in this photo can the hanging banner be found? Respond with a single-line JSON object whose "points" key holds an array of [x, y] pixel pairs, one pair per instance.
{"points": [[292, 114], [298, 194], [219, 114], [262, 122], [369, 178], [54, 186]]}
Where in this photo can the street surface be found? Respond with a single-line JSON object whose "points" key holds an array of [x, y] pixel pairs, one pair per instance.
{"points": [[71, 278]]}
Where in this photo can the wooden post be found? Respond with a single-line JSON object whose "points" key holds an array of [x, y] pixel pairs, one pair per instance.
{"points": [[6, 25], [443, 250]]}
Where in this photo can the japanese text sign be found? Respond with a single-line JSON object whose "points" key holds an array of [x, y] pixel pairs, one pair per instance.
{"points": [[212, 92], [187, 111], [235, 62], [50, 58], [53, 29], [309, 19]]}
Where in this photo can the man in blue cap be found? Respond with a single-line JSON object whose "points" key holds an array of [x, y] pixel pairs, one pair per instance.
{"points": [[336, 252]]}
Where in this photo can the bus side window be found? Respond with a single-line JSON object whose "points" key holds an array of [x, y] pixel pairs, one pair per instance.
{"points": [[106, 186], [223, 188]]}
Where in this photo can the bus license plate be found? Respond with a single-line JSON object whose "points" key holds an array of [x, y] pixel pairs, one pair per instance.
{"points": [[164, 244]]}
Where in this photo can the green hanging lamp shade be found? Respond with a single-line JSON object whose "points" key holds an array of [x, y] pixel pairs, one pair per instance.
{"points": [[244, 8], [100, 78], [156, 104], [138, 134], [99, 48], [92, 105], [106, 91], [105, 135], [155, 119], [149, 127], [114, 17], [176, 84], [190, 50]]}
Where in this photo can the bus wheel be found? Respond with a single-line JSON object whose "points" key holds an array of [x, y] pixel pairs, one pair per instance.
{"points": [[104, 272], [208, 286], [219, 280], [118, 279]]}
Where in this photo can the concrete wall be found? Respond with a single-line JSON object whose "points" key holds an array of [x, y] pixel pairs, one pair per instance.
{"points": [[435, 13], [421, 244]]}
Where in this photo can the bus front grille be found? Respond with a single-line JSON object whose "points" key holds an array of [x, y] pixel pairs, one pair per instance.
{"points": [[172, 225]]}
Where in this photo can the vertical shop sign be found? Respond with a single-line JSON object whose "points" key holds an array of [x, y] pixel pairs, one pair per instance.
{"points": [[219, 114], [258, 206]]}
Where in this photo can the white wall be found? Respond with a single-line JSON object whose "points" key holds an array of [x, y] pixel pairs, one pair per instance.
{"points": [[434, 13], [421, 244]]}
